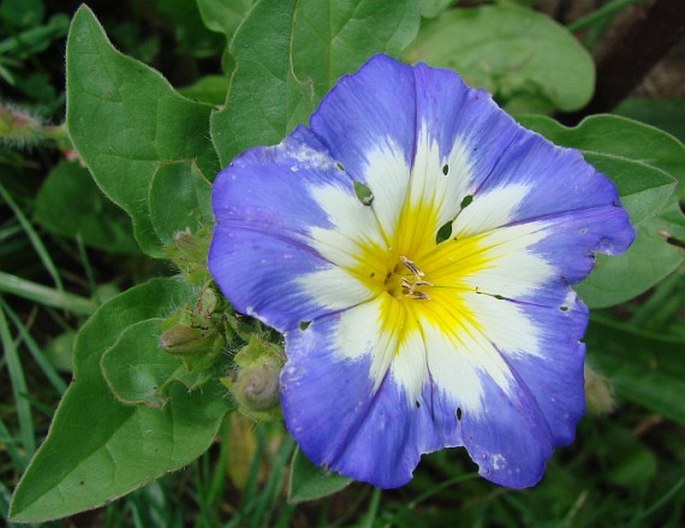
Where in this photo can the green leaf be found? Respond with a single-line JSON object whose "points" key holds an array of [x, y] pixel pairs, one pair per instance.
{"points": [[126, 121], [309, 482], [289, 53], [210, 89], [644, 368], [191, 35], [432, 8], [136, 368], [643, 189], [618, 136], [35, 39], [668, 115], [630, 463], [70, 204], [642, 161], [23, 13], [179, 199], [334, 38], [99, 449], [223, 16], [524, 58], [265, 100]]}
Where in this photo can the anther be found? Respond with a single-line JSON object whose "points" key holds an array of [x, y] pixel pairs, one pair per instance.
{"points": [[411, 266]]}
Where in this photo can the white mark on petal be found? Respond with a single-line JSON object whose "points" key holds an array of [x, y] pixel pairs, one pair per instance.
{"points": [[307, 157], [498, 461]]}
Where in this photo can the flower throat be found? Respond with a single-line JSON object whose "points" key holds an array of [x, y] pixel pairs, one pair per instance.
{"points": [[407, 280]]}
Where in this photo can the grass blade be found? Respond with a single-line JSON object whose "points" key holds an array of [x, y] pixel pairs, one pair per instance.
{"points": [[19, 388], [9, 444], [45, 295], [36, 242], [50, 372]]}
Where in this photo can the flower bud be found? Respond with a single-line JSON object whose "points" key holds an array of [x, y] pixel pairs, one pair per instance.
{"points": [[255, 385], [257, 388], [183, 340], [599, 392], [18, 127], [189, 253]]}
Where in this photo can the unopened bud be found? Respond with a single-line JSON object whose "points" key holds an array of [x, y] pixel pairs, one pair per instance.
{"points": [[255, 384], [185, 241], [19, 128], [207, 303], [257, 387], [185, 340], [189, 253], [599, 393]]}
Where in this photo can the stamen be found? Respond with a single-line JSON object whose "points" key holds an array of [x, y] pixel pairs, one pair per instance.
{"points": [[409, 284], [422, 296], [406, 282], [411, 266]]}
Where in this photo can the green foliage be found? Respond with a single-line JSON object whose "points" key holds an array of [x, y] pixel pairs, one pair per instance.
{"points": [[179, 200], [22, 13], [143, 124], [529, 62], [99, 448], [432, 8], [135, 368], [187, 21], [309, 482], [668, 115], [223, 16], [644, 367], [289, 53], [70, 204]]}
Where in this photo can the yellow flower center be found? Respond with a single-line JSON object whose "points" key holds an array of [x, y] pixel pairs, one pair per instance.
{"points": [[407, 280]]}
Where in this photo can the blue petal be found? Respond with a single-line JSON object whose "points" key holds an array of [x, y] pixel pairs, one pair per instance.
{"points": [[257, 272], [340, 422], [574, 237], [372, 107], [265, 214], [511, 441], [265, 188], [501, 153]]}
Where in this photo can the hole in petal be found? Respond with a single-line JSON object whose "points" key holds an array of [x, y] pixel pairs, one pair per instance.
{"points": [[340, 166], [445, 169], [304, 325], [363, 193], [444, 232], [466, 201], [459, 413], [563, 308], [418, 404]]}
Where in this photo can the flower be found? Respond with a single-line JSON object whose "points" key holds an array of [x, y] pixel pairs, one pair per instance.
{"points": [[416, 246]]}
